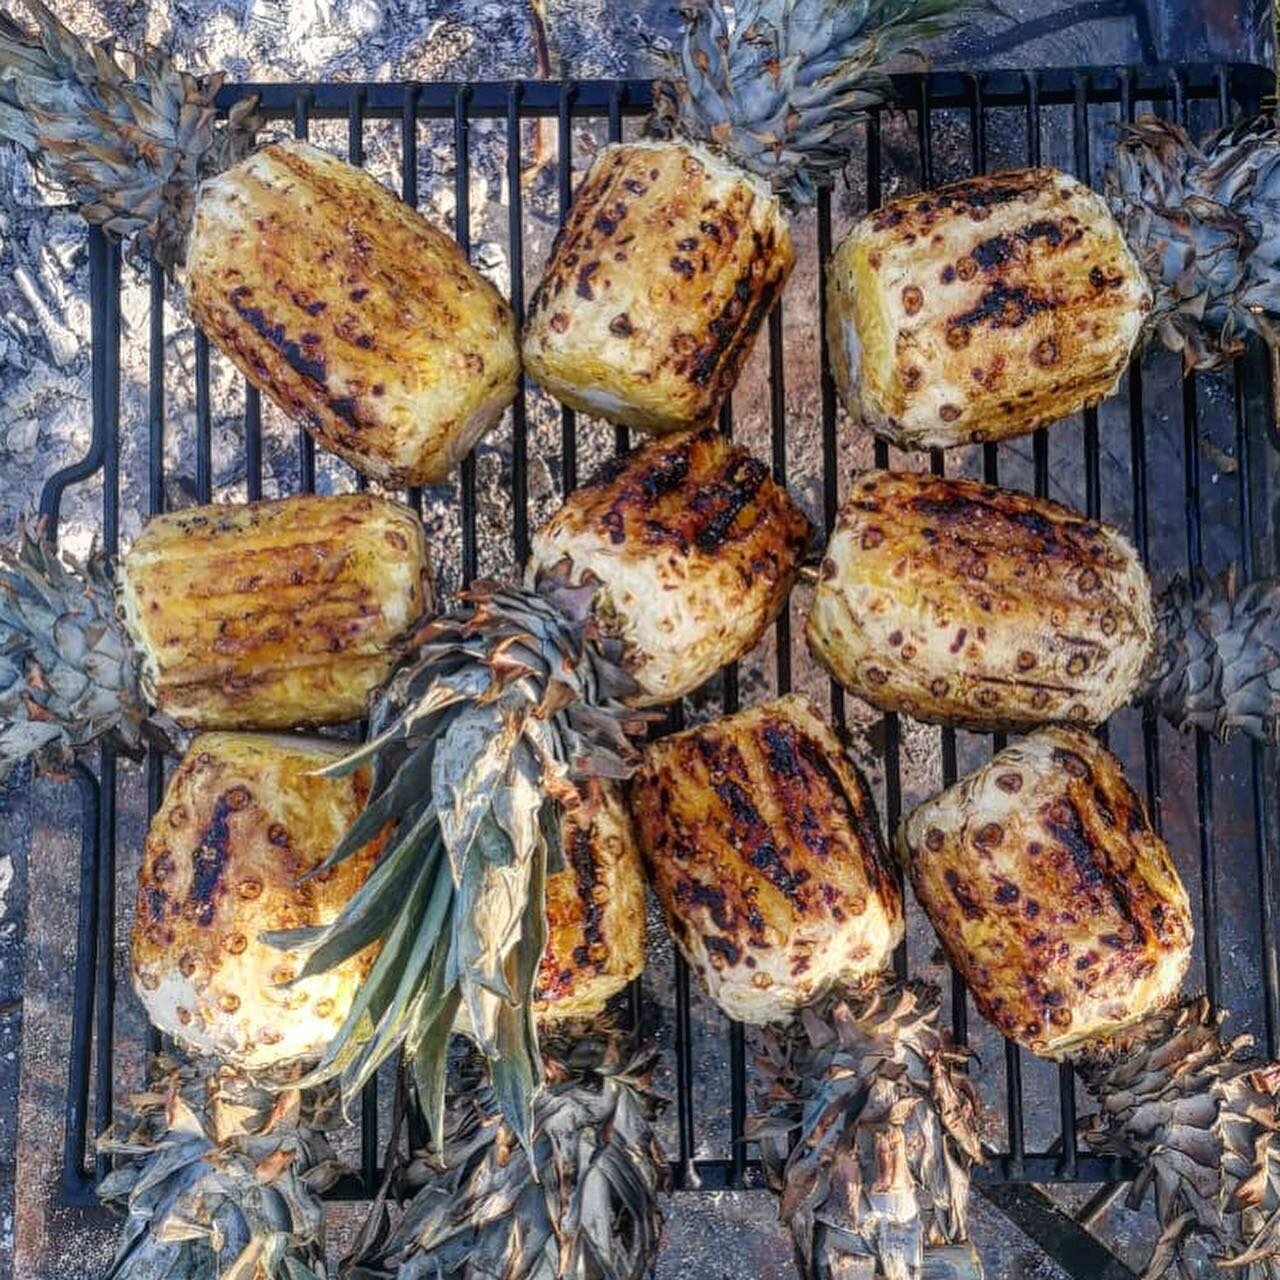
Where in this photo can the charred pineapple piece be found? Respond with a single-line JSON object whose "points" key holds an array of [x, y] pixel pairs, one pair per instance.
{"points": [[274, 614], [766, 854], [984, 309], [669, 261], [1052, 893], [351, 311], [595, 909], [695, 550], [245, 815], [970, 605]]}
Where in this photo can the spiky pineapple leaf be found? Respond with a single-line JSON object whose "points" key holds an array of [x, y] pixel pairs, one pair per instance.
{"points": [[67, 675], [1204, 221], [1216, 664], [232, 1192], [129, 145], [475, 741], [784, 86], [1202, 1114], [867, 1129], [583, 1203]]}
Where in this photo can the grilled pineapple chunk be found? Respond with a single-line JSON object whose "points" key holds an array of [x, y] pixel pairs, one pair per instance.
{"points": [[734, 543], [1051, 892], [766, 854], [670, 259], [244, 816], [969, 605], [984, 309], [351, 311], [274, 614], [595, 909]]}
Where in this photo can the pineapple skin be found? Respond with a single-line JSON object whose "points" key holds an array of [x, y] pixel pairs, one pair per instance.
{"points": [[984, 608], [668, 263], [983, 310], [273, 614], [1052, 893], [351, 311], [243, 817], [695, 549], [595, 909], [765, 852]]}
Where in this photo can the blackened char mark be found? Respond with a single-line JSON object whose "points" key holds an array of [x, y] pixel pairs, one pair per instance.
{"points": [[209, 861], [722, 947], [984, 193], [731, 332], [1004, 306], [761, 850], [312, 367], [964, 899], [1091, 863], [586, 874], [995, 252], [859, 811], [720, 504], [711, 897]]}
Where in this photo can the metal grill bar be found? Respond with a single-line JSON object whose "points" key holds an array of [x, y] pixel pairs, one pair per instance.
{"points": [[93, 1047]]}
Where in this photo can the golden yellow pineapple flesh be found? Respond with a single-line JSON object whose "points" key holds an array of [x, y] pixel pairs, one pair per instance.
{"points": [[695, 550], [1052, 893], [351, 311], [243, 818], [668, 263], [969, 605], [273, 614], [595, 909], [983, 310], [766, 854]]}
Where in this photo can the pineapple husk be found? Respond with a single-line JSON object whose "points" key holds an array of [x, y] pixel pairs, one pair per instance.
{"points": [[67, 673], [503, 707], [868, 1128], [130, 144], [1202, 221], [582, 1203], [220, 1175], [783, 88], [1216, 662], [1201, 1115]]}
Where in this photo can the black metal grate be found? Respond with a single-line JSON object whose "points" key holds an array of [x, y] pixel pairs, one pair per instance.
{"points": [[1009, 118]]}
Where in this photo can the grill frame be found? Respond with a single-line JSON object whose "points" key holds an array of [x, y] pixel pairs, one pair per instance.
{"points": [[1235, 89]]}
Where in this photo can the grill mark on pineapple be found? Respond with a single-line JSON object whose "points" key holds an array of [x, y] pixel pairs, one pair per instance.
{"points": [[758, 844], [858, 812], [993, 253], [210, 859], [306, 366], [729, 344], [1063, 820], [720, 504], [1004, 306], [586, 868]]}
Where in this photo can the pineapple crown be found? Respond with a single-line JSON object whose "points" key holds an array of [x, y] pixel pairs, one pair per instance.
{"points": [[67, 675], [1204, 221], [129, 146], [221, 1176], [867, 1127], [1216, 662], [783, 87], [475, 741], [582, 1202], [1202, 1116]]}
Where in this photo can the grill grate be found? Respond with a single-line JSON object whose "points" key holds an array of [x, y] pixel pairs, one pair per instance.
{"points": [[1202, 95]]}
